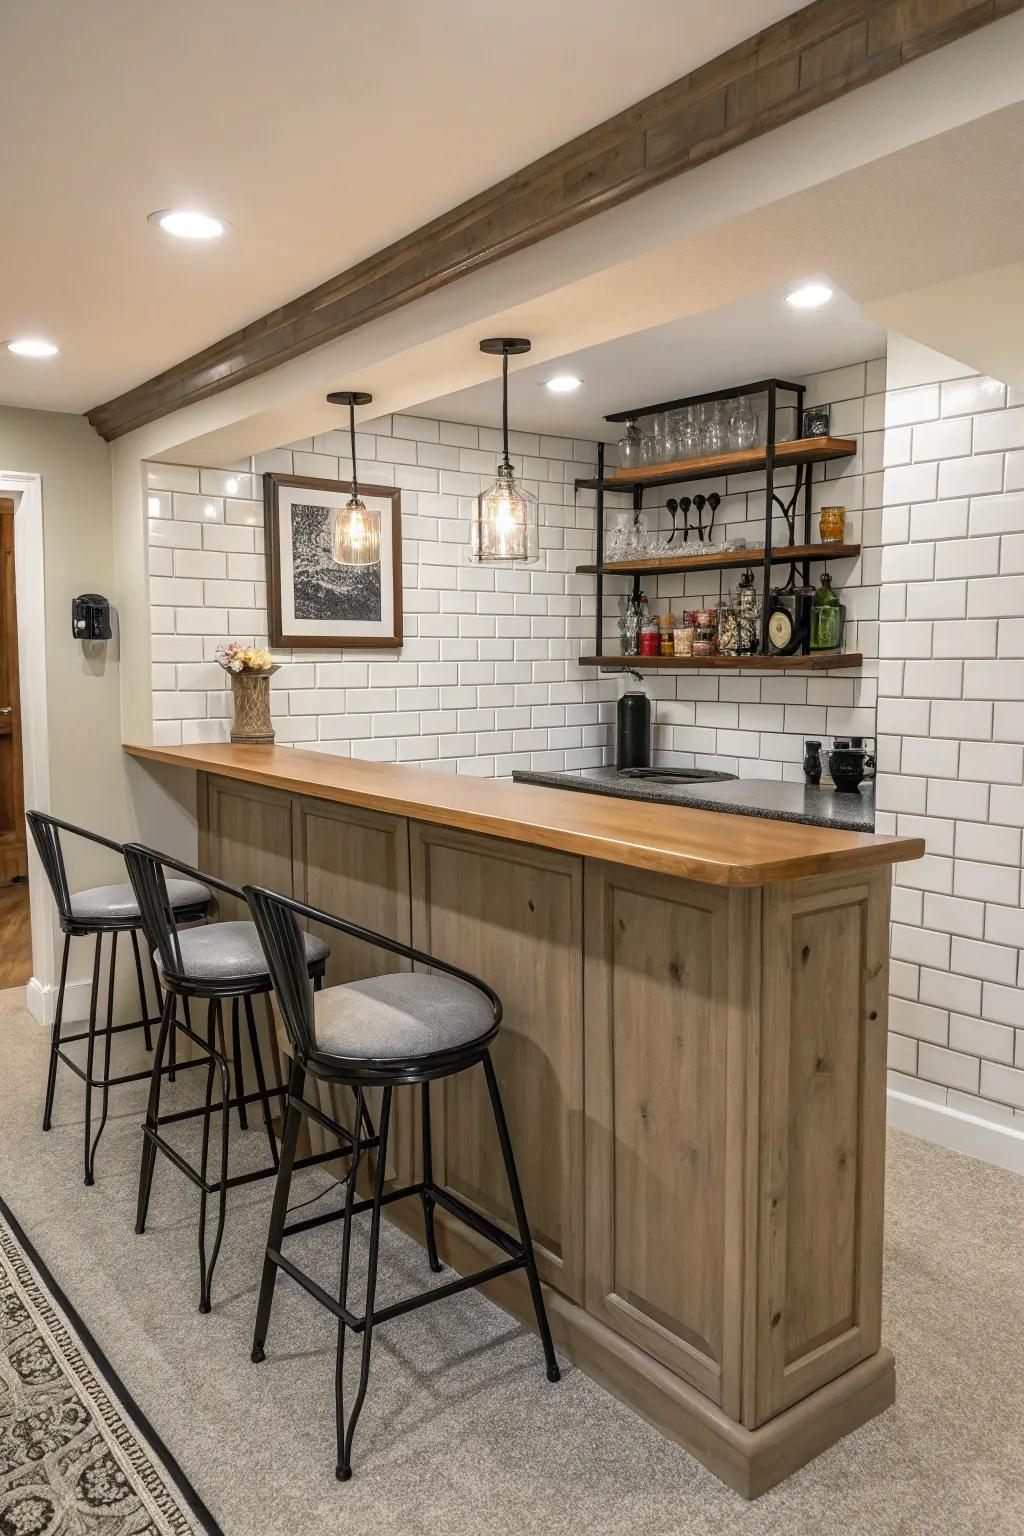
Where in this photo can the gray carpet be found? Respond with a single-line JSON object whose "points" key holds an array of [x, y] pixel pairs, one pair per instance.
{"points": [[461, 1433]]}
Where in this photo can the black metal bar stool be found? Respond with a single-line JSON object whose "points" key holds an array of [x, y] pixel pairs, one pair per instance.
{"points": [[406, 1027], [103, 909], [219, 962]]}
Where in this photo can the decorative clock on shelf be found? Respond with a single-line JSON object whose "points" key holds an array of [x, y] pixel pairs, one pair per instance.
{"points": [[787, 621]]}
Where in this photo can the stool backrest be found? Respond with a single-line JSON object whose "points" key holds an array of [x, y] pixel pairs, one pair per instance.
{"points": [[146, 868], [285, 952], [277, 922], [146, 873], [46, 832]]}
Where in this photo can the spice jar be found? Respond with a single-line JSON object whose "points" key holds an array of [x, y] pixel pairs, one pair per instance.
{"points": [[650, 640], [682, 641], [705, 636], [832, 524], [666, 627]]}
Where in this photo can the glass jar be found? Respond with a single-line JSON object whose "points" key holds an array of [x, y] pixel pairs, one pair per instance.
{"points": [[650, 640], [666, 628], [748, 615], [832, 524], [629, 446], [629, 627], [742, 425], [682, 641], [826, 617], [705, 635], [729, 631]]}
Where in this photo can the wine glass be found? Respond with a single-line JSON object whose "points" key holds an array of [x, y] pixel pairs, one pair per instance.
{"points": [[712, 429], [742, 424], [629, 446]]}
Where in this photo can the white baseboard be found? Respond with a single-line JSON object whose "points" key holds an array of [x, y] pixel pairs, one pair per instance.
{"points": [[41, 1001], [953, 1128]]}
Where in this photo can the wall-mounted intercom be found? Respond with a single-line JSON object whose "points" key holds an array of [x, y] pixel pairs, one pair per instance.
{"points": [[90, 617]]}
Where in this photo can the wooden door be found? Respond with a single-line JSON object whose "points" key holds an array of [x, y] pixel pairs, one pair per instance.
{"points": [[512, 915], [13, 857], [667, 1039]]}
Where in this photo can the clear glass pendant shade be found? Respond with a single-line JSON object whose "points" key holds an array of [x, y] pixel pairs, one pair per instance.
{"points": [[355, 537], [505, 522]]}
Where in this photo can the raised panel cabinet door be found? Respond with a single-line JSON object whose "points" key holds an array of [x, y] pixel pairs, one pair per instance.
{"points": [[667, 993], [245, 838], [354, 864], [512, 915], [822, 1111]]}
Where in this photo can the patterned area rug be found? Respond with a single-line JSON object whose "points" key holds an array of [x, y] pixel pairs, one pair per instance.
{"points": [[76, 1457]]}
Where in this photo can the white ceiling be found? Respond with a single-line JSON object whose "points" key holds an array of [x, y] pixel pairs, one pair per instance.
{"points": [[321, 129], [752, 339]]}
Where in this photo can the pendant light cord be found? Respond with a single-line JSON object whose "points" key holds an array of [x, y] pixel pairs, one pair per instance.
{"points": [[504, 408], [352, 434]]}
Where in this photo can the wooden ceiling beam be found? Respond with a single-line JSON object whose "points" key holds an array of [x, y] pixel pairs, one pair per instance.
{"points": [[808, 59]]}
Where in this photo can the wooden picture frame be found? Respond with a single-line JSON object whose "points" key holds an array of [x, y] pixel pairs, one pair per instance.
{"points": [[294, 595]]}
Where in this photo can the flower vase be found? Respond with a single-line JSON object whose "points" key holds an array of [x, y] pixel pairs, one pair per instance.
{"points": [[252, 724]]}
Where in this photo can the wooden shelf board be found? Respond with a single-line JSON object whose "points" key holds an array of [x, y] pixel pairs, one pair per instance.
{"points": [[802, 450], [817, 661], [669, 565]]}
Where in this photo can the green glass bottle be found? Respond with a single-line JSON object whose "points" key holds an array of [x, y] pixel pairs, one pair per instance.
{"points": [[826, 617]]}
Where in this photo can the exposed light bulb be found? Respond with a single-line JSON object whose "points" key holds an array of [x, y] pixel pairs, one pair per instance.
{"points": [[355, 537]]}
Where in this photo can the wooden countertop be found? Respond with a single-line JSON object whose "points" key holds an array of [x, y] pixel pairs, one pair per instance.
{"points": [[708, 846]]}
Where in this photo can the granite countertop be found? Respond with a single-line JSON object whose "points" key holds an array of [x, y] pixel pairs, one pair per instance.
{"points": [[813, 806]]}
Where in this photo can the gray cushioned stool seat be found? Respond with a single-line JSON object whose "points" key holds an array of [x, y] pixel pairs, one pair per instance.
{"points": [[116, 903], [401, 1015], [225, 952]]}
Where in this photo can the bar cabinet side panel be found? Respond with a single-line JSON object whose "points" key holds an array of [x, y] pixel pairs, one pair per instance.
{"points": [[663, 1083], [512, 915], [823, 1129]]}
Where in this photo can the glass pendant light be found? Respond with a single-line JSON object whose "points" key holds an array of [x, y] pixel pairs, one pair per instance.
{"points": [[355, 536], [504, 526]]}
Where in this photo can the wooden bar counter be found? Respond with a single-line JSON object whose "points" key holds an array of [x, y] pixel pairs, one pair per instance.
{"points": [[692, 1059]]}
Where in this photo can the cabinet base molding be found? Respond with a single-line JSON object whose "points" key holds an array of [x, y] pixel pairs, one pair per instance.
{"points": [[748, 1461]]}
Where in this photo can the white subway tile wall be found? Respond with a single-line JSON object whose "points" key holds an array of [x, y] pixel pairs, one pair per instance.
{"points": [[951, 732], [487, 680]]}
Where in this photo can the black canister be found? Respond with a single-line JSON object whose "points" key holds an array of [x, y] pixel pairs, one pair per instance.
{"points": [[633, 731]]}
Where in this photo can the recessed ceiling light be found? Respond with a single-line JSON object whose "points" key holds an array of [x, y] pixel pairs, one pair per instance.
{"points": [[32, 346], [563, 384], [187, 224], [810, 296]]}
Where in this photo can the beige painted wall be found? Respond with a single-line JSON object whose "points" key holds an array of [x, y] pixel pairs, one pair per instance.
{"points": [[91, 782]]}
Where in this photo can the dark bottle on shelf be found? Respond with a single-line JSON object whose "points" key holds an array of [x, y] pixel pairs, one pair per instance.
{"points": [[812, 762]]}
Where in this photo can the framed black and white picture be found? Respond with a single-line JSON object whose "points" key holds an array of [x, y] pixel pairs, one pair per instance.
{"points": [[313, 598]]}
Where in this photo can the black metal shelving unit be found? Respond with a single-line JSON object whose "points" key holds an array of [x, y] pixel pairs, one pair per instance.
{"points": [[803, 453]]}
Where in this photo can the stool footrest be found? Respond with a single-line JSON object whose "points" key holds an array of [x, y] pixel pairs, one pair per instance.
{"points": [[185, 1167], [357, 1205], [126, 1077], [398, 1308]]}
